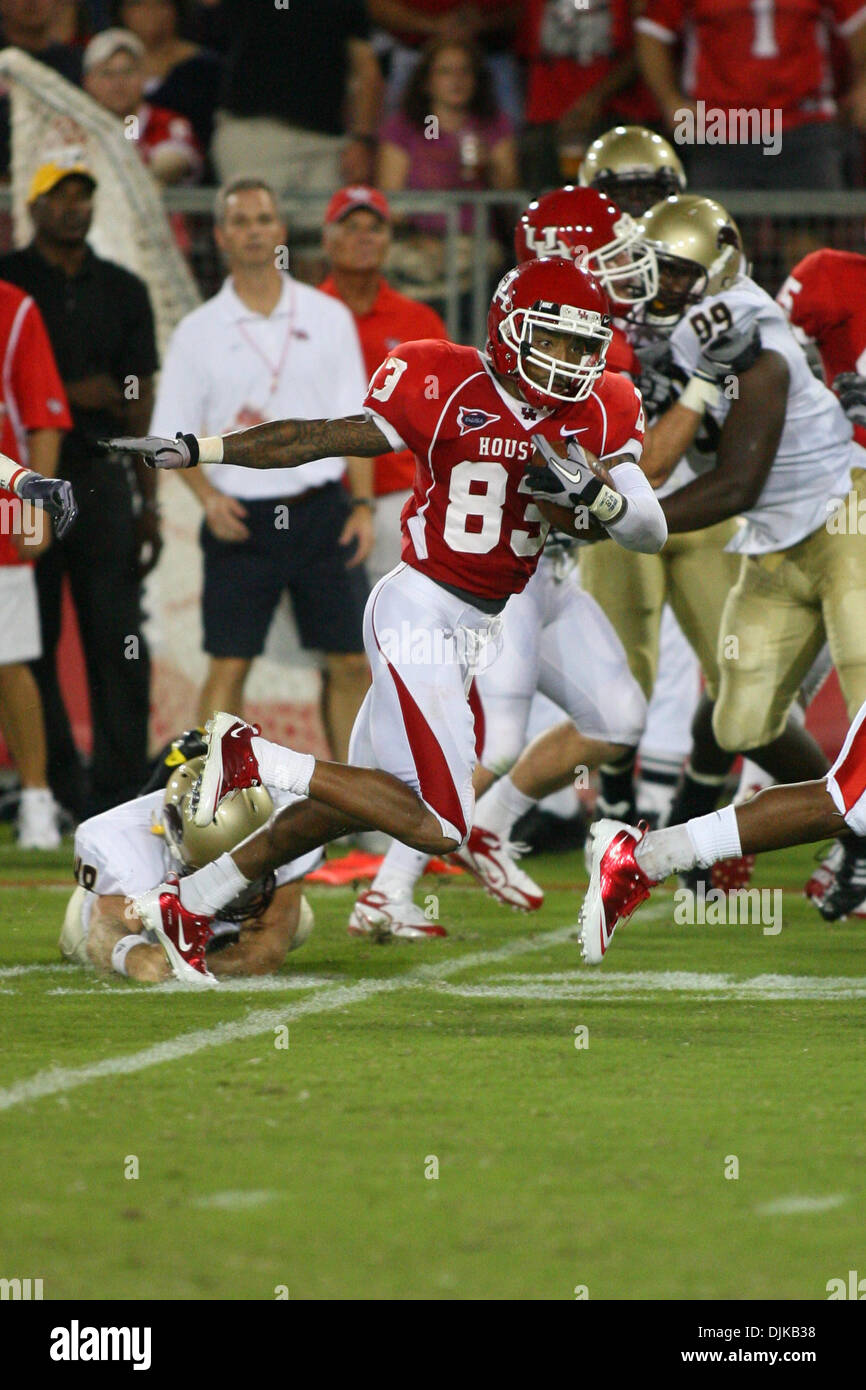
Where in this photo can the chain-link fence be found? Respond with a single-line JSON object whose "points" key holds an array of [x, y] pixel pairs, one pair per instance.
{"points": [[456, 266]]}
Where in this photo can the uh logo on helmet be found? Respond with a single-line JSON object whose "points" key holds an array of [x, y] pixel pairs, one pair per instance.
{"points": [[544, 305], [589, 228]]}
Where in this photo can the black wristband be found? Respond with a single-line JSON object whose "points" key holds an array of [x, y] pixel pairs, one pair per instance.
{"points": [[192, 444], [363, 502]]}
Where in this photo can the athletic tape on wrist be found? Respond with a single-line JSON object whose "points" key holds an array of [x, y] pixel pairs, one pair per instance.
{"points": [[607, 505]]}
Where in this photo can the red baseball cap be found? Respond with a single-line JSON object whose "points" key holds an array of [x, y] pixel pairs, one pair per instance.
{"points": [[357, 195]]}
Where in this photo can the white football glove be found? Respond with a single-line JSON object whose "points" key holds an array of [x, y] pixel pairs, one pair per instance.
{"points": [[571, 481], [180, 452]]}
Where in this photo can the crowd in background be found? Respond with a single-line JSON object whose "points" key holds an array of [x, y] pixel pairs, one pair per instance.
{"points": [[266, 101], [312, 95]]}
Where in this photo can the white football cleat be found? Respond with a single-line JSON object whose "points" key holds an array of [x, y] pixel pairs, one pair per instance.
{"points": [[617, 885], [37, 819], [492, 861], [381, 917], [230, 764], [182, 934]]}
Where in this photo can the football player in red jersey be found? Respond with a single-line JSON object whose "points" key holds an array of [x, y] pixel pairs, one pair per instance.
{"points": [[472, 534], [605, 705], [824, 299]]}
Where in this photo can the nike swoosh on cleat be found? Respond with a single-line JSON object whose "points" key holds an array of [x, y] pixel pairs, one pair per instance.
{"points": [[181, 939]]}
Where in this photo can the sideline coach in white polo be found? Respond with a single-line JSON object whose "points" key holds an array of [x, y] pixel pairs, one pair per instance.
{"points": [[267, 347]]}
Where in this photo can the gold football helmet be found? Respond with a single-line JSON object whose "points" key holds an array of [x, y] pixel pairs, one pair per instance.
{"points": [[699, 252], [237, 816], [634, 167]]}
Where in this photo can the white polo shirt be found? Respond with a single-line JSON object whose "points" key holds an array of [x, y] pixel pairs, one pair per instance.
{"points": [[228, 367]]}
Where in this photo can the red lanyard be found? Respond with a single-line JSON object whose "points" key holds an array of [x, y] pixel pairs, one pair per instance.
{"points": [[275, 371]]}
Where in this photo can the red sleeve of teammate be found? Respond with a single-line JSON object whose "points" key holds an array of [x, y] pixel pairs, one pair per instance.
{"points": [[624, 423], [407, 392], [848, 14], [36, 385], [668, 16], [809, 299]]}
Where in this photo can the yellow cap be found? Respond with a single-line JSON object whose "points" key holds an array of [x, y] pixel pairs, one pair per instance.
{"points": [[53, 172]]}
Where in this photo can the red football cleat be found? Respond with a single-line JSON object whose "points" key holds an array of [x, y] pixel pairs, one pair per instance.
{"points": [[230, 764], [182, 935], [617, 885], [491, 860], [381, 917]]}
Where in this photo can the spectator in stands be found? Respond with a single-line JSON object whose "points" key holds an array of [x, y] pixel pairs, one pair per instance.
{"points": [[581, 80], [179, 75], [301, 98], [266, 348], [450, 136], [29, 24], [448, 133], [407, 25], [100, 324], [114, 76], [772, 61], [357, 240], [34, 412]]}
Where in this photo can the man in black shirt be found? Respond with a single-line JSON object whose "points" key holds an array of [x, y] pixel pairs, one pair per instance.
{"points": [[100, 324], [301, 97]]}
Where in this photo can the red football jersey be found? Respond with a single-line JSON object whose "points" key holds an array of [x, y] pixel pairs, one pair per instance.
{"points": [[159, 128], [768, 53], [825, 297], [620, 355], [470, 521], [393, 319], [571, 48], [31, 395]]}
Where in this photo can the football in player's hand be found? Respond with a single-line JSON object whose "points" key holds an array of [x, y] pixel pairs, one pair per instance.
{"points": [[563, 516]]}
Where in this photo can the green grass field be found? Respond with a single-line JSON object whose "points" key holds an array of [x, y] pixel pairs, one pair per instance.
{"points": [[566, 1159]]}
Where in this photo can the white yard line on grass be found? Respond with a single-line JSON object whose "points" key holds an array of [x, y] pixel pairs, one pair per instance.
{"points": [[259, 984], [57, 1080], [801, 1206], [602, 984], [8, 972]]}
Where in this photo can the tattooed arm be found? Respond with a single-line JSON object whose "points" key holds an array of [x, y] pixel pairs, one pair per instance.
{"points": [[279, 444]]}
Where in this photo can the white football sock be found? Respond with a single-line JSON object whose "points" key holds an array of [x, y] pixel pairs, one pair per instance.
{"points": [[216, 885], [663, 852], [283, 767], [501, 806], [400, 871], [716, 836], [121, 949]]}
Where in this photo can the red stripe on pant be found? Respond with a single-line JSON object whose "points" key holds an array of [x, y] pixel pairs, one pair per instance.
{"points": [[851, 773], [434, 774], [478, 714]]}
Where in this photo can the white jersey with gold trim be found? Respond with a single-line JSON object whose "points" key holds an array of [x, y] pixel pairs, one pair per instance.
{"points": [[815, 455], [124, 852]]}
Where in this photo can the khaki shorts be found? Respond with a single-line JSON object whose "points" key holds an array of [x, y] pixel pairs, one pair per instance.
{"points": [[778, 616], [693, 573]]}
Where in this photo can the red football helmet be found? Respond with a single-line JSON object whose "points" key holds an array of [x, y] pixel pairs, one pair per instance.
{"points": [[539, 298], [586, 226]]}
